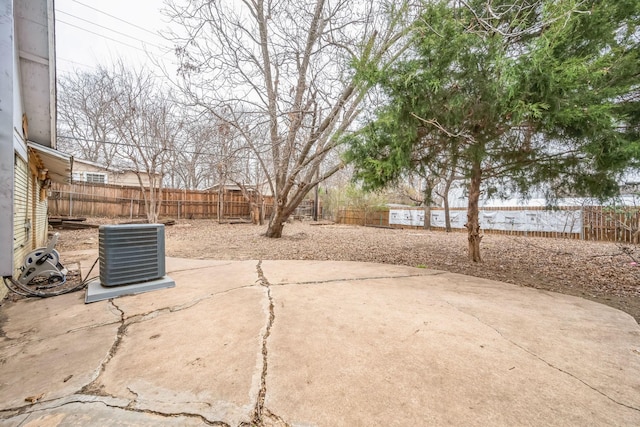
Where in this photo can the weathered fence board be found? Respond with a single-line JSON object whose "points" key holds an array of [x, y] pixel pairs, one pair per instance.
{"points": [[117, 201], [612, 225], [378, 218]]}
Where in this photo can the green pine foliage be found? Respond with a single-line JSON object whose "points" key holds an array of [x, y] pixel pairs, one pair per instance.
{"points": [[515, 93], [536, 91]]}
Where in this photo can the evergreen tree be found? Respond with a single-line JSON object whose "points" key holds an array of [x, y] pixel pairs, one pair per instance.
{"points": [[527, 92]]}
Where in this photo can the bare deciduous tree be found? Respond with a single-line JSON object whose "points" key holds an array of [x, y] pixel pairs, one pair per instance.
{"points": [[286, 64], [145, 121], [84, 108], [121, 118]]}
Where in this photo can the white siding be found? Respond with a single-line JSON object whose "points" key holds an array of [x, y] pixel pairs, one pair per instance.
{"points": [[21, 213], [30, 227], [42, 226]]}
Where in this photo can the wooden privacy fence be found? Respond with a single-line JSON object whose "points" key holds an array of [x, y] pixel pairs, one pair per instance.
{"points": [[84, 199], [597, 223], [369, 218], [611, 225]]}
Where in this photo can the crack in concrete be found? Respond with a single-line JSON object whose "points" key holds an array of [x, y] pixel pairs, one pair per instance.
{"points": [[20, 342], [200, 268], [86, 328], [149, 315], [92, 388], [197, 301], [24, 339], [137, 396], [134, 400], [24, 421], [128, 408], [260, 413], [45, 405], [540, 358], [357, 279], [263, 416]]}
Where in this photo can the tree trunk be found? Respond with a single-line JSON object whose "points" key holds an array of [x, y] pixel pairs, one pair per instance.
{"points": [[159, 197], [255, 213], [262, 209], [154, 202], [256, 203], [473, 220], [427, 200], [447, 215], [220, 204], [316, 197], [149, 200], [445, 199], [276, 225], [427, 217]]}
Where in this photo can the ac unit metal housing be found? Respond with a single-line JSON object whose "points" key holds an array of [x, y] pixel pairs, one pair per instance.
{"points": [[131, 253], [132, 261]]}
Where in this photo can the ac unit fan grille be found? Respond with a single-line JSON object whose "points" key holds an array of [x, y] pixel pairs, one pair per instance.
{"points": [[131, 253]]}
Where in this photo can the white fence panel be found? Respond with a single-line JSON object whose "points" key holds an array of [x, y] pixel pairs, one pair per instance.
{"points": [[560, 221]]}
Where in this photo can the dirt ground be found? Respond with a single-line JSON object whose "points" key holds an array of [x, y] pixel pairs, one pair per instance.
{"points": [[608, 273]]}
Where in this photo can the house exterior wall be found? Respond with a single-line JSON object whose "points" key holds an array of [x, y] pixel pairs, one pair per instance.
{"points": [[81, 171], [84, 172], [130, 179], [30, 227], [22, 218], [26, 89], [7, 151]]}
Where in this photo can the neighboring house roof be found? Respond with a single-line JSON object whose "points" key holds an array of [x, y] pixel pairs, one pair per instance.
{"points": [[90, 163], [79, 162], [264, 188]]}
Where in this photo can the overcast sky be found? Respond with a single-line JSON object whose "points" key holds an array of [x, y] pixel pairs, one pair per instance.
{"points": [[92, 32]]}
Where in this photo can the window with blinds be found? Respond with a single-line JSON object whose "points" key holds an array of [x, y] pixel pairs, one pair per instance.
{"points": [[96, 178]]}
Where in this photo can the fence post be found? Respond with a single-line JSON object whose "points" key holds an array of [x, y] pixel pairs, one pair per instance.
{"points": [[70, 203]]}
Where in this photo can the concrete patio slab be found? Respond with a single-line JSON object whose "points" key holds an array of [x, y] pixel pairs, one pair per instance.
{"points": [[50, 317], [99, 414], [196, 280], [281, 272], [201, 359], [50, 368], [309, 343], [361, 345]]}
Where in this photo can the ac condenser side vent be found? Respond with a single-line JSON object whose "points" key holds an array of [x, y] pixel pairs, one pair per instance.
{"points": [[131, 253]]}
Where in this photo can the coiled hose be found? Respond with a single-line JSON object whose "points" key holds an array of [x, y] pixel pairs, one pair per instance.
{"points": [[25, 291]]}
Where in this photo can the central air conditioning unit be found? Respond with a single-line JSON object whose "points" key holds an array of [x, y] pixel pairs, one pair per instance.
{"points": [[131, 261], [131, 253]]}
